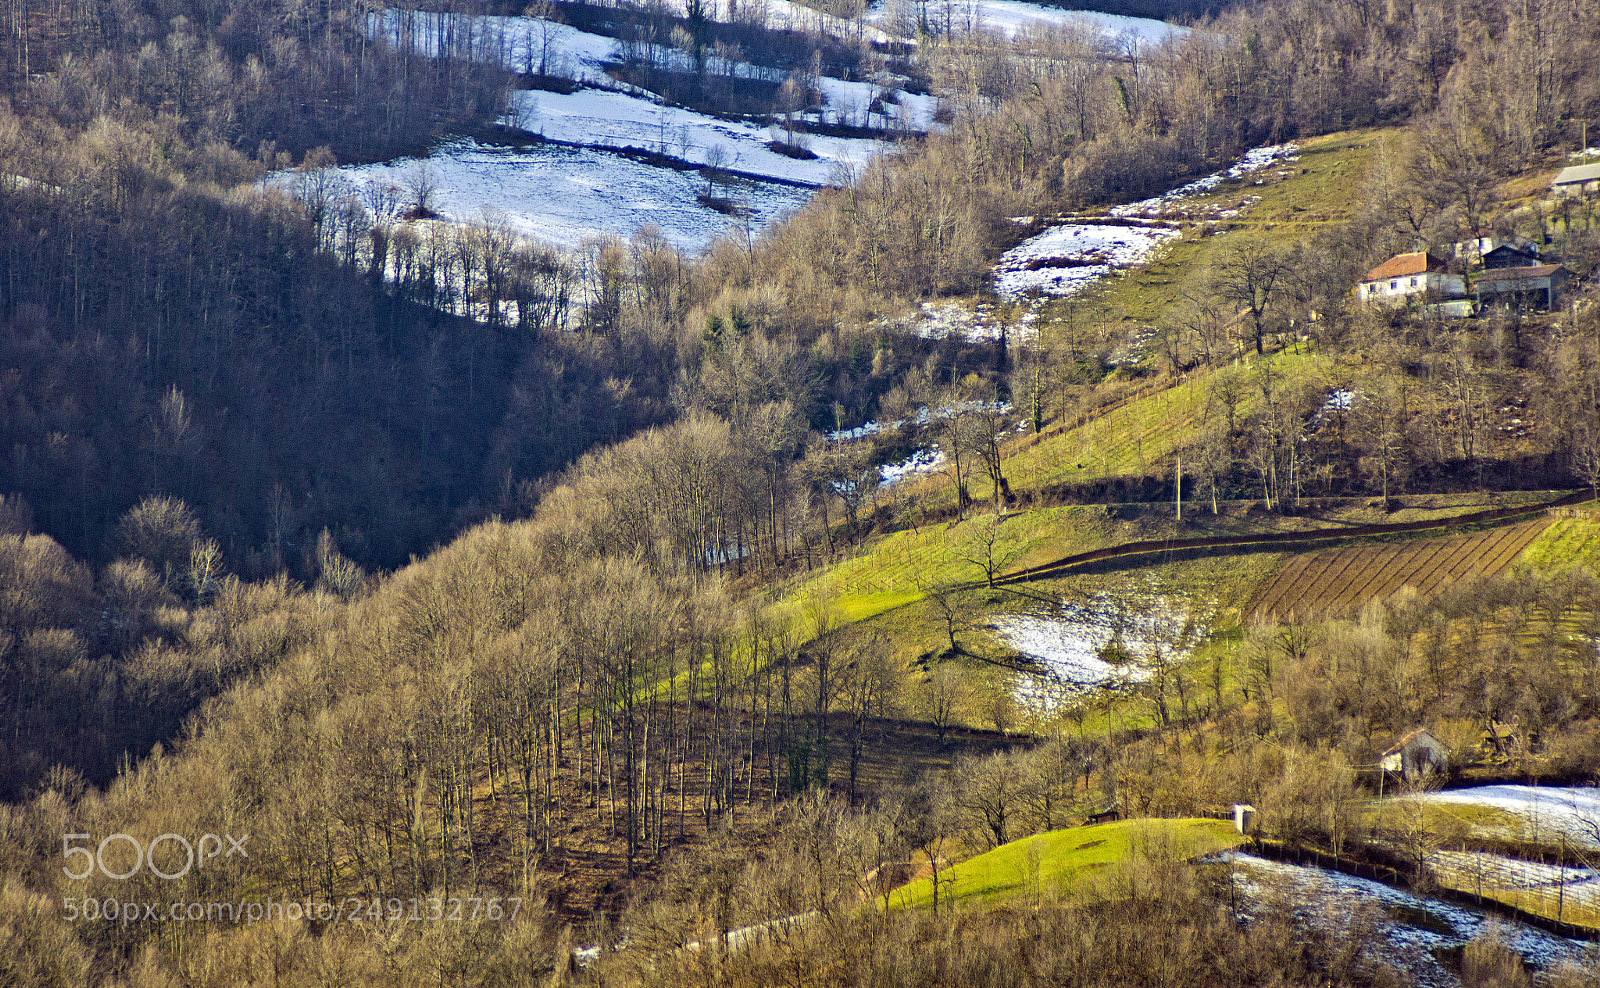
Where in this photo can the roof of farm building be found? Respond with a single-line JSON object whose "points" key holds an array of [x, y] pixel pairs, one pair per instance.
{"points": [[1520, 274], [1577, 174], [1421, 735], [1401, 265]]}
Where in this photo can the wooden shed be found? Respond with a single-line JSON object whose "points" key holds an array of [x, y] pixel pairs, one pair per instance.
{"points": [[1416, 756], [1508, 256]]}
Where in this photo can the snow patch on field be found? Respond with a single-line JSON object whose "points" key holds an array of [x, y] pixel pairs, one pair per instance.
{"points": [[1066, 259], [923, 461], [1337, 902], [534, 44], [977, 324], [1549, 812], [1069, 257], [1476, 870], [1103, 642], [1011, 17], [562, 196], [1074, 652], [599, 118]]}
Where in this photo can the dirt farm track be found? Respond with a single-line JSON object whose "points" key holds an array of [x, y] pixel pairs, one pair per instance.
{"points": [[1344, 579]]}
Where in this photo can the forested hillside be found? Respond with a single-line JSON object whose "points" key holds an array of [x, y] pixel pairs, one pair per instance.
{"points": [[447, 566]]}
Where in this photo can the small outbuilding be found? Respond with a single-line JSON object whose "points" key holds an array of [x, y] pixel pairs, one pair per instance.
{"points": [[1534, 288], [1416, 756], [1508, 256], [1416, 276], [1110, 814], [1579, 180], [1244, 817]]}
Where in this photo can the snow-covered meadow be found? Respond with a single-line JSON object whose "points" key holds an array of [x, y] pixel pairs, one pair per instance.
{"points": [[1011, 17], [1066, 259], [1489, 873], [601, 118], [1337, 902], [1548, 813], [1097, 643], [564, 195]]}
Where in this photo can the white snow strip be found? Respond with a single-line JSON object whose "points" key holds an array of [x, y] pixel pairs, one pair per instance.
{"points": [[563, 196], [1331, 898], [522, 44], [1071, 650], [923, 461], [1550, 812], [978, 324], [1253, 161], [1074, 648], [1011, 17], [610, 119], [1066, 259], [924, 416], [1495, 871], [785, 15], [537, 45]]}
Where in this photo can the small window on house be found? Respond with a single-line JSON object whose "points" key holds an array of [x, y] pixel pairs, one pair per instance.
{"points": [[1413, 282], [1393, 285]]}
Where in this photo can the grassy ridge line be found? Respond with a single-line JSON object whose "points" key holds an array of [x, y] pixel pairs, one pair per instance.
{"points": [[1290, 540], [1065, 861]]}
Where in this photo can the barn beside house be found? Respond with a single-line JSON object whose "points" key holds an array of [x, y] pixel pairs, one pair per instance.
{"points": [[1416, 756], [1532, 288], [1579, 180], [1506, 251], [1508, 256], [1417, 276]]}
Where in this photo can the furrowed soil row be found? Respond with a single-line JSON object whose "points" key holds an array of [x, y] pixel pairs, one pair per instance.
{"points": [[1405, 572], [1478, 564], [1460, 554], [1366, 576], [1513, 547], [1346, 578], [1288, 574], [1417, 562], [1385, 577], [1338, 566], [1480, 561]]}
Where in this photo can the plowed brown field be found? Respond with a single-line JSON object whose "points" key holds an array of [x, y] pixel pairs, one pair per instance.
{"points": [[1345, 579]]}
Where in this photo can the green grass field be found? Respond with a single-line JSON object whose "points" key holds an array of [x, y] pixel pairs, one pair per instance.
{"points": [[1326, 187], [1143, 436], [1065, 861], [1565, 542]]}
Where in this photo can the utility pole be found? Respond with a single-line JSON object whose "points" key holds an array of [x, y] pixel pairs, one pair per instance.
{"points": [[1180, 488]]}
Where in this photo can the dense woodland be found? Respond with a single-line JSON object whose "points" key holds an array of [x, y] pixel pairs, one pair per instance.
{"points": [[224, 405]]}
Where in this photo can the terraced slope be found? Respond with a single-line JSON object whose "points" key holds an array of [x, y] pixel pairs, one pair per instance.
{"points": [[1344, 579]]}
